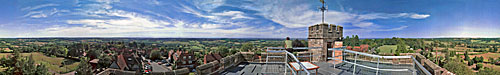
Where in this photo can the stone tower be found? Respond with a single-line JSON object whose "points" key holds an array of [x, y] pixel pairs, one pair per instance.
{"points": [[321, 37]]}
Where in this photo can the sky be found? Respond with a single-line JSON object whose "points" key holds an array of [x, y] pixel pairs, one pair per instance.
{"points": [[247, 18]]}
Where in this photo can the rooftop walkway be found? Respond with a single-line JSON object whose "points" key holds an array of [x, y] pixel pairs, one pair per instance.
{"points": [[351, 63], [325, 69]]}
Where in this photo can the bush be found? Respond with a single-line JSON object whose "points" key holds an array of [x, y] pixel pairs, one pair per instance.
{"points": [[487, 71], [470, 62], [479, 66], [458, 68], [155, 54]]}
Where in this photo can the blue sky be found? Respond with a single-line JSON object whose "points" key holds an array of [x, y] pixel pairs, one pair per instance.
{"points": [[247, 18]]}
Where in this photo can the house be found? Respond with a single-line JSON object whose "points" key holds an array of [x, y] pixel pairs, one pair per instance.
{"points": [[94, 63], [211, 57], [361, 48], [185, 59], [364, 47], [127, 61], [122, 64]]}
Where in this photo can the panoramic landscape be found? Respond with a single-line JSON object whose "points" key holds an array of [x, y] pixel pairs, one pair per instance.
{"points": [[249, 37]]}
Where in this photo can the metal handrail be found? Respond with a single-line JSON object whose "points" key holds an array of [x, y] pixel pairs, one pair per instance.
{"points": [[371, 55], [281, 49], [289, 54], [274, 48], [378, 60], [421, 67]]}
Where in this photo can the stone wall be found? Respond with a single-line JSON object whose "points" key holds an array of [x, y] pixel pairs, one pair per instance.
{"points": [[183, 71], [317, 51], [430, 66], [215, 67]]}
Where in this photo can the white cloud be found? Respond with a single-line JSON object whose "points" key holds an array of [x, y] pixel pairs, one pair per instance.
{"points": [[38, 7], [196, 12], [131, 23], [389, 16], [233, 14], [363, 24], [210, 26], [375, 29], [107, 1], [135, 24], [43, 13], [419, 16], [38, 16]]}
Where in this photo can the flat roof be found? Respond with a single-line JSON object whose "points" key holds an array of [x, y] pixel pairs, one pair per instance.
{"points": [[324, 69]]}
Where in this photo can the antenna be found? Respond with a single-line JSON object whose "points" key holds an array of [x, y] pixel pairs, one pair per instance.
{"points": [[323, 9]]}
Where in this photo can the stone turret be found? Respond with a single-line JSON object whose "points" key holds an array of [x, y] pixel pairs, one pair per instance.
{"points": [[321, 37]]}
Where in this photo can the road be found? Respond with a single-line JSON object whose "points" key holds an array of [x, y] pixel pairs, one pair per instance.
{"points": [[158, 68]]}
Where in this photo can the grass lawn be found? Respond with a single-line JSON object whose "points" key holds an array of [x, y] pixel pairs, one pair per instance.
{"points": [[495, 67], [52, 63], [387, 48]]}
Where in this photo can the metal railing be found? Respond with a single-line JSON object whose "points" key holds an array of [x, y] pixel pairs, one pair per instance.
{"points": [[377, 68], [287, 55], [416, 64]]}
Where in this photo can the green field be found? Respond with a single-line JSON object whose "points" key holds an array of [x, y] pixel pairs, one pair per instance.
{"points": [[387, 48], [52, 63]]}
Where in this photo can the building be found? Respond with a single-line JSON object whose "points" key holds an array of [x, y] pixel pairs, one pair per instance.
{"points": [[338, 53], [321, 37], [361, 48], [185, 59], [127, 62], [94, 63], [364, 47]]}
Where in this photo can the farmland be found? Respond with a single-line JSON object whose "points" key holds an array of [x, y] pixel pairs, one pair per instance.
{"points": [[53, 63]]}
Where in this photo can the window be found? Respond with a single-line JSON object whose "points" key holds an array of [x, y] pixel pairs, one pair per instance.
{"points": [[184, 57], [183, 62], [190, 62], [189, 57]]}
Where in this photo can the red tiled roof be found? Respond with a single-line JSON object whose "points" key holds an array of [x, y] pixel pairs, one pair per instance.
{"points": [[121, 62], [94, 61], [211, 57]]}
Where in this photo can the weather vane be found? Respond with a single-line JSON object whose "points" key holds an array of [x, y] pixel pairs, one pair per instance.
{"points": [[323, 9]]}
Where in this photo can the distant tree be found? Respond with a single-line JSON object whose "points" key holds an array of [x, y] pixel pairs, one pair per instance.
{"points": [[155, 55], [495, 49], [104, 61], [470, 62], [458, 68], [479, 66], [356, 40], [491, 60], [297, 43], [223, 50], [247, 47], [347, 41], [28, 67], [84, 67], [466, 55], [42, 70], [488, 71], [481, 59]]}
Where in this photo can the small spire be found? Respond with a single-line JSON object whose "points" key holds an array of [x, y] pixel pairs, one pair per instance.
{"points": [[323, 9]]}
